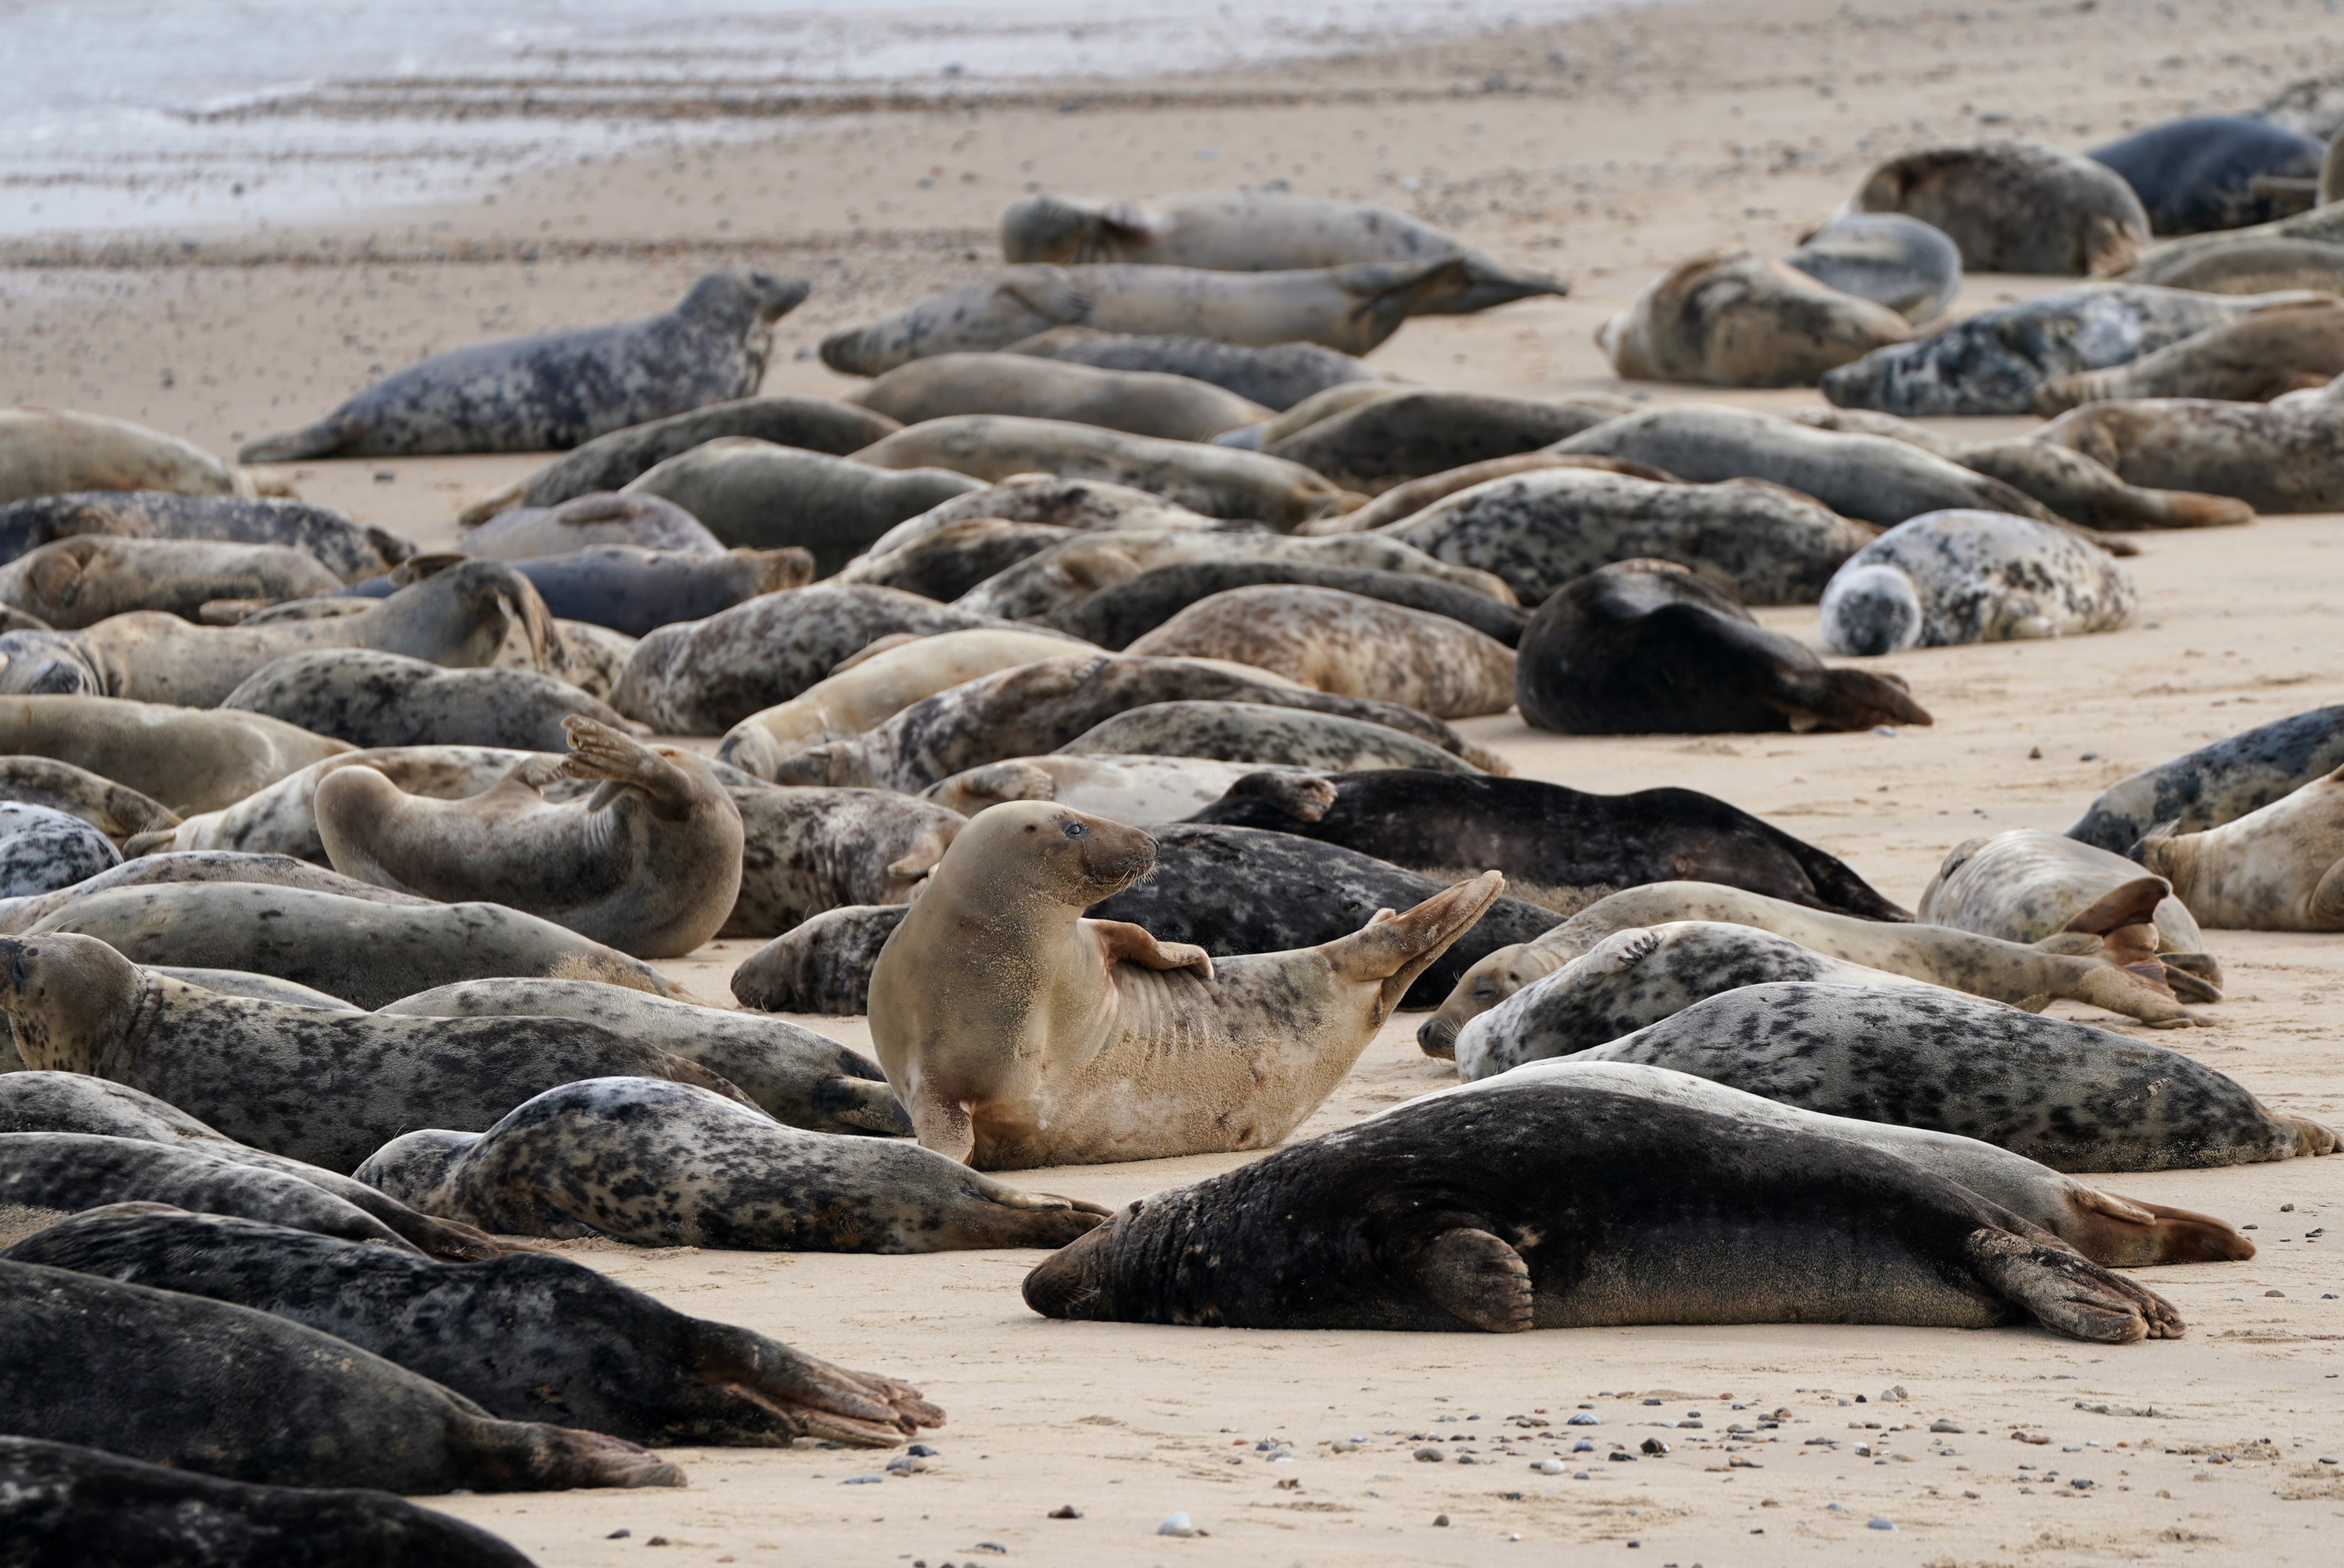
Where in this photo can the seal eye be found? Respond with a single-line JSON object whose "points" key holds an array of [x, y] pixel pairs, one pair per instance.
{"points": [[1074, 829]]}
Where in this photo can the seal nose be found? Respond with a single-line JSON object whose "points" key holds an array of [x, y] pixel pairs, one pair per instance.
{"points": [[1436, 1036]]}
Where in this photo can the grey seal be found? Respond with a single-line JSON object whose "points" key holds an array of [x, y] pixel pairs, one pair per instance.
{"points": [[1048, 499], [2025, 885], [1262, 735], [282, 819], [1116, 616], [1730, 318], [196, 866], [1402, 502], [583, 522], [1278, 376], [2272, 869], [2277, 457], [808, 849], [1139, 402], [350, 550], [373, 699], [632, 589], [77, 582], [2201, 173], [2273, 352], [1130, 788], [113, 809], [43, 849], [554, 391], [1416, 432], [1948, 577], [2218, 783], [2016, 205], [1885, 258], [823, 966], [2262, 266], [756, 494], [948, 562]]}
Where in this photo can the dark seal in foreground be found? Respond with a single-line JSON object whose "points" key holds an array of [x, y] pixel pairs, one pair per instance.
{"points": [[1489, 1212]]}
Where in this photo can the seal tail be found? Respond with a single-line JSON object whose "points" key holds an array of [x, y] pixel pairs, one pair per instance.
{"points": [[2126, 1233], [1396, 949], [2068, 1292], [326, 439]]}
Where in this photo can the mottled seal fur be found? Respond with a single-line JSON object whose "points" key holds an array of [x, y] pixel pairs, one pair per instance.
{"points": [[68, 1505], [2253, 359], [1885, 258], [222, 1390], [2261, 265], [1139, 402], [79, 582], [807, 849], [1404, 502], [756, 494], [556, 390], [1729, 1221], [1082, 504], [1415, 432], [1344, 643], [584, 522], [1730, 318], [1040, 707], [2074, 1097], [2015, 206], [1539, 530], [1019, 1033], [668, 1165], [351, 551], [1258, 733], [2272, 869], [2199, 174], [528, 1337], [949, 561], [201, 866], [1116, 616], [43, 849], [1996, 361], [1949, 578], [69, 1172], [113, 809], [798, 1076], [282, 819], [1278, 376], [821, 967], [2024, 885], [1134, 788], [2280, 456], [1646, 647], [327, 1088], [374, 700], [649, 864], [1556, 845], [608, 462], [56, 451], [189, 759], [2218, 783]]}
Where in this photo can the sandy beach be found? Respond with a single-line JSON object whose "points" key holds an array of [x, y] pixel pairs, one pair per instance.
{"points": [[1603, 149]]}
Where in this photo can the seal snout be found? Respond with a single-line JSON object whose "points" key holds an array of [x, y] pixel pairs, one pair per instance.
{"points": [[1067, 1284]]}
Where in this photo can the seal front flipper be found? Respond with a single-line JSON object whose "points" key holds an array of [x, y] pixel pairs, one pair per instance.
{"points": [[599, 751], [1473, 1274], [1120, 940], [2066, 1292], [816, 1399]]}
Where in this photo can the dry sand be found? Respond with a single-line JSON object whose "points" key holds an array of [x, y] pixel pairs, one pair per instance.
{"points": [[1667, 129]]}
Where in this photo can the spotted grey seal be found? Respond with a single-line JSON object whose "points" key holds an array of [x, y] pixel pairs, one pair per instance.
{"points": [[154, 870], [1116, 616], [2272, 869], [350, 551], [54, 451], [635, 590], [556, 390], [282, 819], [2024, 885], [372, 698], [1885, 258], [944, 563], [223, 1390], [753, 493], [1406, 500], [821, 967], [529, 1337], [2249, 266], [2218, 783], [1417, 431], [1278, 376], [1046, 499], [1139, 402], [2275, 457], [1019, 1033], [1132, 789], [2199, 174], [2016, 205], [666, 1165], [1730, 1221], [77, 582], [1948, 577], [1259, 733], [808, 849], [113, 809], [191, 760], [1728, 318], [43, 849], [2251, 360]]}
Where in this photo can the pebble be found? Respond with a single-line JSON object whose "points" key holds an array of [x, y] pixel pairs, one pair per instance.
{"points": [[921, 1451], [1623, 1456], [1653, 1445], [2274, 1292], [620, 1533], [906, 1465], [1944, 1426], [1880, 1524], [1428, 1454], [1441, 1520], [1065, 1511], [1584, 1419], [1176, 1525], [1345, 1445], [1549, 1467], [1584, 1445], [1581, 1475]]}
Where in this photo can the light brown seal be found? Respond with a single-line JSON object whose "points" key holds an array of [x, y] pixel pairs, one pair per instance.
{"points": [[2027, 884], [2279, 457], [79, 582], [1140, 402], [57, 451], [2252, 360], [2016, 205], [2275, 869], [190, 759], [1726, 318]]}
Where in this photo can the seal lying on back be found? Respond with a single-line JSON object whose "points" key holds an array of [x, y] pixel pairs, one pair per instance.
{"points": [[2275, 457], [1646, 647], [222, 1390], [1018, 1033], [1948, 577], [1115, 617], [2274, 869], [1352, 308], [2074, 1097], [584, 522], [549, 392], [529, 1337], [2264, 356], [1278, 376], [651, 864], [2199, 174], [350, 551], [73, 1505], [2025, 885], [1140, 402], [56, 451], [386, 700], [191, 760], [798, 1077], [1539, 530], [763, 497], [1413, 433], [2015, 206], [79, 582], [1885, 258], [1730, 1221], [1727, 319], [78, 1006], [668, 1165], [2216, 784], [1557, 846]]}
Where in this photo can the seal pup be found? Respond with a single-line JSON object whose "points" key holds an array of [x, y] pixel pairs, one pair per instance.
{"points": [[1760, 541], [282, 820], [2112, 1231], [1730, 1221], [1116, 617], [1085, 505], [113, 809], [584, 522], [1557, 846], [76, 1005], [2071, 1096], [376, 699], [1411, 432], [190, 759], [56, 451], [560, 388], [1278, 376], [1727, 319], [2199, 174], [950, 561], [527, 1336], [608, 462], [755, 493], [1219, 481], [2218, 783], [223, 1390], [669, 1165], [1261, 736], [77, 582], [1134, 790], [798, 1076], [649, 864], [821, 967], [1018, 1033], [1997, 361], [1139, 402], [807, 849], [1352, 308], [1947, 578], [1866, 477], [1645, 648], [2272, 869], [2252, 360], [1044, 706], [2275, 457], [1249, 231], [351, 551], [1339, 642], [67, 1504], [2025, 885], [2014, 205], [1885, 258]]}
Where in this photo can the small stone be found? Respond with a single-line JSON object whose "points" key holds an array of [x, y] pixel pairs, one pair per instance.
{"points": [[1440, 1520], [1176, 1525], [1584, 1419], [921, 1451], [2035, 753], [2286, 1208], [2089, 756], [1580, 1475], [1880, 1524], [1653, 1445], [863, 1480], [1428, 1454], [1344, 1445], [1652, 1402], [2274, 1292], [1836, 1507], [619, 1535], [1623, 1456], [1584, 1445], [904, 1465], [1065, 1511], [1945, 1426], [1549, 1467]]}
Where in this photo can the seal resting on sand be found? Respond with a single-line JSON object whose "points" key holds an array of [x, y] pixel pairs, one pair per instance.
{"points": [[1018, 1033], [2016, 205], [2217, 783], [1948, 577], [2274, 869]]}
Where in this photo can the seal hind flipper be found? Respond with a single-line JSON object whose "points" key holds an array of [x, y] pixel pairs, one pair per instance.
{"points": [[2066, 1292], [326, 439], [858, 1102], [2130, 1232], [1852, 699], [1476, 1276], [1396, 949], [2132, 904], [2313, 1137]]}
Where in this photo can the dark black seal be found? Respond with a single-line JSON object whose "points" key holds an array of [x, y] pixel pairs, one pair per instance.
{"points": [[223, 1390], [610, 462], [64, 1506], [2218, 783], [1646, 647], [350, 550], [1546, 837], [1275, 377], [528, 1337], [1504, 1210], [2199, 174], [1116, 617], [1378, 445]]}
